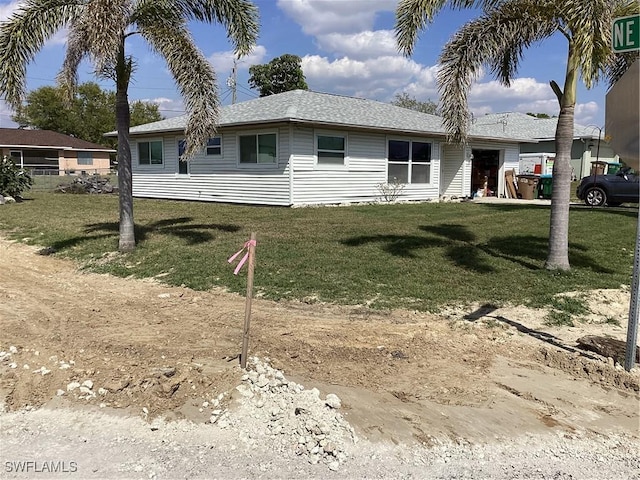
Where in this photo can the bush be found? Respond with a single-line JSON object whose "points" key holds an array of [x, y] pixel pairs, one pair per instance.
{"points": [[13, 180]]}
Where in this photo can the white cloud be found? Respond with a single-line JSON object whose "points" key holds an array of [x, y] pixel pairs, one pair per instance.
{"points": [[586, 113], [5, 116], [360, 45], [521, 88], [7, 9], [377, 78], [330, 16], [222, 62], [168, 107]]}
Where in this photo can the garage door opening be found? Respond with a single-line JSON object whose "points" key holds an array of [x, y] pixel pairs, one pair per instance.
{"points": [[485, 165]]}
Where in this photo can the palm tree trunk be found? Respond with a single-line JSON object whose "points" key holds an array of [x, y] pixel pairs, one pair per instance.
{"points": [[123, 120], [558, 255]]}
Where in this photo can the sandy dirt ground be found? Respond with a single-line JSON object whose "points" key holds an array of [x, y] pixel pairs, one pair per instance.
{"points": [[123, 348]]}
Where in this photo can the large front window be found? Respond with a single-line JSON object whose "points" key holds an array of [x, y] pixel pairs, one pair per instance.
{"points": [[150, 153], [409, 162], [258, 149], [330, 150]]}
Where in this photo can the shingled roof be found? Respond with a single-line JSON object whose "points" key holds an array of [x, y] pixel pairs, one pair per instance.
{"points": [[22, 138], [303, 106], [521, 125]]}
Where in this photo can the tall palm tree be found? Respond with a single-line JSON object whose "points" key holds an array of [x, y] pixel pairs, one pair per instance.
{"points": [[497, 40], [98, 30]]}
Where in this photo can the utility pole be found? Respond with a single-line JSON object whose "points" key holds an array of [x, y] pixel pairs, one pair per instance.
{"points": [[232, 81]]}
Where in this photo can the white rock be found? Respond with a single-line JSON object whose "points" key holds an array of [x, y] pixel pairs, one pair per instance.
{"points": [[64, 366], [26, 367], [334, 466], [13, 349], [85, 390], [333, 401], [88, 384], [59, 392], [72, 386], [102, 391], [13, 365], [164, 295]]}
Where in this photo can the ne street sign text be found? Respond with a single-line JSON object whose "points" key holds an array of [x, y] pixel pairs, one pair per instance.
{"points": [[626, 34]]}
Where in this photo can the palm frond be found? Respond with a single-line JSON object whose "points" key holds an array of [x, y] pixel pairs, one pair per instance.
{"points": [[497, 40], [239, 17], [413, 16], [194, 78], [103, 23], [23, 35], [77, 49]]}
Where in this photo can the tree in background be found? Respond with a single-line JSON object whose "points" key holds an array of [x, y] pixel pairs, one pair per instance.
{"points": [[497, 40], [281, 74], [539, 115], [405, 101], [98, 30], [89, 115]]}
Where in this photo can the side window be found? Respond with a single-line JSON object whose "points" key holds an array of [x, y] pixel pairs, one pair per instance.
{"points": [[150, 153], [330, 149], [258, 149], [85, 158], [214, 146]]}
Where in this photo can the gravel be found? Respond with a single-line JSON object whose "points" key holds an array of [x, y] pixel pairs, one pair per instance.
{"points": [[275, 428]]}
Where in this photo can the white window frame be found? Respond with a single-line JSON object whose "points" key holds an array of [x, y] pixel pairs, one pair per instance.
{"points": [[150, 165], [11, 155], [410, 161], [256, 133], [330, 166], [207, 147]]}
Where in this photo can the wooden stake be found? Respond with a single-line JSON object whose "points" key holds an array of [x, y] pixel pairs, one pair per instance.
{"points": [[247, 305]]}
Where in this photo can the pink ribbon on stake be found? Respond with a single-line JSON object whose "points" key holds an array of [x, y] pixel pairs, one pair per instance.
{"points": [[246, 255]]}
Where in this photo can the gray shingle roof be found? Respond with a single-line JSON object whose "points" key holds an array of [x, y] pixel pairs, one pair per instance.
{"points": [[521, 125], [329, 109], [321, 108]]}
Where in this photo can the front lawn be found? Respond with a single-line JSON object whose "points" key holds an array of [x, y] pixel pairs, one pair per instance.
{"points": [[418, 256]]}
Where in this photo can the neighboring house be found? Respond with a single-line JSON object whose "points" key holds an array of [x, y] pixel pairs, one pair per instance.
{"points": [[589, 143], [45, 151], [302, 147]]}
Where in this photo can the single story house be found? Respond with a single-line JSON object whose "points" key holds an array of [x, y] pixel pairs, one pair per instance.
{"points": [[48, 152], [589, 143], [302, 147]]}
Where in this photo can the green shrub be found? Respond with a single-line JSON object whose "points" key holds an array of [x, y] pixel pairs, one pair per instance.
{"points": [[13, 180]]}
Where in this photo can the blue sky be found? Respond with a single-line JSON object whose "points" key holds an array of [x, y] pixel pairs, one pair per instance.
{"points": [[347, 47]]}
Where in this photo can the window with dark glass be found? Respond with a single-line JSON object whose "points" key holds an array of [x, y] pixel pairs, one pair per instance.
{"points": [[150, 153], [409, 162], [258, 149], [330, 150], [214, 146]]}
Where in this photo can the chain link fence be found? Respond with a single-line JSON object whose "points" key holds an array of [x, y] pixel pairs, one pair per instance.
{"points": [[47, 179]]}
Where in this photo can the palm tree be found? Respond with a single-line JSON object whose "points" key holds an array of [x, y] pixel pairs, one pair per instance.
{"points": [[98, 30], [497, 40]]}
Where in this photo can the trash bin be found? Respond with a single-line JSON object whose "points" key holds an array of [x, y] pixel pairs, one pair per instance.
{"points": [[613, 168], [597, 167], [527, 186], [545, 186]]}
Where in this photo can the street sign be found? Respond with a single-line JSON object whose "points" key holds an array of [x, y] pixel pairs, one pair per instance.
{"points": [[625, 33]]}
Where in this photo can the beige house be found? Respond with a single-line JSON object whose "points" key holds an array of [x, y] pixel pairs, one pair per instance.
{"points": [[48, 152]]}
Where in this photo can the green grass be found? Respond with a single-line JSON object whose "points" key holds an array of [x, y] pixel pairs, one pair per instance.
{"points": [[417, 256]]}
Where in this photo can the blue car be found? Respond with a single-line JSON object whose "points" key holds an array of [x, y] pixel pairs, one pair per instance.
{"points": [[611, 190]]}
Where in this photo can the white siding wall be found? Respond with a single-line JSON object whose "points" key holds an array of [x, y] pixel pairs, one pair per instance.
{"points": [[453, 171], [357, 181], [215, 178]]}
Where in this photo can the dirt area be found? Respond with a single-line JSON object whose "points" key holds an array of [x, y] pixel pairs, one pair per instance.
{"points": [[139, 348]]}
